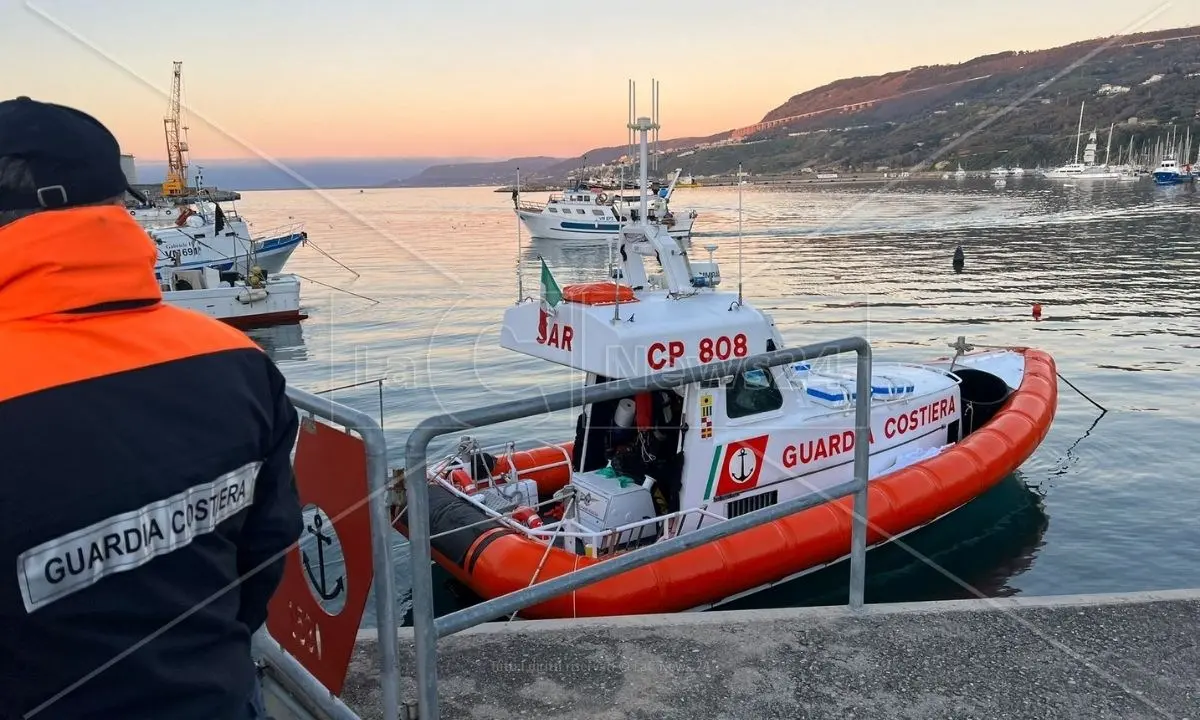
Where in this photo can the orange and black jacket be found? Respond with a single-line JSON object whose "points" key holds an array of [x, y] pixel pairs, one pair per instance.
{"points": [[145, 471]]}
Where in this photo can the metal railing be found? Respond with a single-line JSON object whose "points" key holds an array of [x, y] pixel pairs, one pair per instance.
{"points": [[427, 629], [296, 677]]}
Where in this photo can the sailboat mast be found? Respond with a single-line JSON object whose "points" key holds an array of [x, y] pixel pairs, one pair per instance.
{"points": [[1079, 132], [1108, 149]]}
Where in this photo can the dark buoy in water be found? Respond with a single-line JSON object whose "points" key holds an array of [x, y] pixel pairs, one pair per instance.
{"points": [[959, 259]]}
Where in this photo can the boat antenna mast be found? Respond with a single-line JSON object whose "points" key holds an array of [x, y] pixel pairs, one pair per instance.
{"points": [[643, 126], [739, 182], [175, 184], [654, 117], [631, 124], [517, 212]]}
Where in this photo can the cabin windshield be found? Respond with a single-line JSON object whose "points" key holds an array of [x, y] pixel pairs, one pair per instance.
{"points": [[751, 393]]}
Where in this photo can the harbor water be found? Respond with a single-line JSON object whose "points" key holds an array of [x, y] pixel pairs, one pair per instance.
{"points": [[1106, 504]]}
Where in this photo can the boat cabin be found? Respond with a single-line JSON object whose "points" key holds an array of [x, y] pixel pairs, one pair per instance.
{"points": [[588, 202], [720, 448], [201, 278]]}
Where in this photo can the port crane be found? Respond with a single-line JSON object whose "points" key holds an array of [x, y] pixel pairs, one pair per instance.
{"points": [[176, 183]]}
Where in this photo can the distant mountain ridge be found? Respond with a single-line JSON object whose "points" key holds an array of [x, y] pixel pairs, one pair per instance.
{"points": [[258, 174], [476, 173], [533, 169]]}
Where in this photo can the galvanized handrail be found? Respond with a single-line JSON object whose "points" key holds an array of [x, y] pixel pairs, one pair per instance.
{"points": [[381, 561], [427, 629]]}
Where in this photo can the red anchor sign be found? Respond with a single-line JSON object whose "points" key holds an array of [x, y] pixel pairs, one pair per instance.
{"points": [[331, 473]]}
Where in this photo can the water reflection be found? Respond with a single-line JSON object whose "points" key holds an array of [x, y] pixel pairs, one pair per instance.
{"points": [[284, 343], [575, 260]]}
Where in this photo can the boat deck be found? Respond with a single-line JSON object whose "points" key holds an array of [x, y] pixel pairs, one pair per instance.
{"points": [[1109, 656]]}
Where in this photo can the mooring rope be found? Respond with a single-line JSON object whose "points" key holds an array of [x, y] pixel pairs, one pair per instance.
{"points": [[335, 287], [339, 262], [1082, 394]]}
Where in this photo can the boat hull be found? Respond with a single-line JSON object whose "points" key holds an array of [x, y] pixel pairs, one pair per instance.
{"points": [[243, 307], [1053, 175], [271, 255], [1172, 178], [545, 226], [496, 560]]}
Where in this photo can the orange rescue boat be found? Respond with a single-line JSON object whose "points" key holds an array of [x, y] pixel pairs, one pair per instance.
{"points": [[661, 464]]}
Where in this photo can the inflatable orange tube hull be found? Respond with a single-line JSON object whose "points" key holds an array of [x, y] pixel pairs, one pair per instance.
{"points": [[500, 561], [549, 466]]}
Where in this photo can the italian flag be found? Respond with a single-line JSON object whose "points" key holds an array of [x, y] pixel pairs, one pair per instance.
{"points": [[551, 294]]}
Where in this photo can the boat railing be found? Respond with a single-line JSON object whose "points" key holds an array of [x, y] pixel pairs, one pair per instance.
{"points": [[530, 206], [427, 629], [286, 230]]}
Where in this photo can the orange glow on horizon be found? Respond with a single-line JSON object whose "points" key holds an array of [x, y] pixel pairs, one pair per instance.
{"points": [[434, 80]]}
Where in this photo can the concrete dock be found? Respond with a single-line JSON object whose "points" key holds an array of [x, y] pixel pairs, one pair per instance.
{"points": [[1124, 656]]}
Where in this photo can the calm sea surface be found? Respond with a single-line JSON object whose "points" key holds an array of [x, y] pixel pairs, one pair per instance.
{"points": [[1103, 506]]}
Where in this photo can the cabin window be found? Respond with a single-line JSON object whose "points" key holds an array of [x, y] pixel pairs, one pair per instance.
{"points": [[553, 210], [752, 392], [598, 212], [580, 211]]}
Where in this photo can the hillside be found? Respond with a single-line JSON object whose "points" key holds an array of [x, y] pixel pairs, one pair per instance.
{"points": [[486, 173], [533, 170], [608, 155], [1017, 108], [1005, 108]]}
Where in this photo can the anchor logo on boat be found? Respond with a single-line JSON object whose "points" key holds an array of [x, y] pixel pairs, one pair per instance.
{"points": [[318, 580], [742, 467]]}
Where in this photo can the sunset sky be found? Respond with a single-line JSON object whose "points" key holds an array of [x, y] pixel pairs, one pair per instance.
{"points": [[432, 78]]}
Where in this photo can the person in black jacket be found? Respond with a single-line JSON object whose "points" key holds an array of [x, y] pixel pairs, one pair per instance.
{"points": [[148, 496]]}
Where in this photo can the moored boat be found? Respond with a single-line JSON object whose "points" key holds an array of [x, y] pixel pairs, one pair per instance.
{"points": [[1087, 169], [586, 212], [663, 464], [1169, 172], [257, 300], [206, 235], [583, 213]]}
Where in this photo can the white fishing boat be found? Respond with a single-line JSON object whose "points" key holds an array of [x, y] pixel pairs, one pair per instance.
{"points": [[206, 235], [1001, 183], [587, 213], [960, 174], [583, 213], [245, 302]]}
